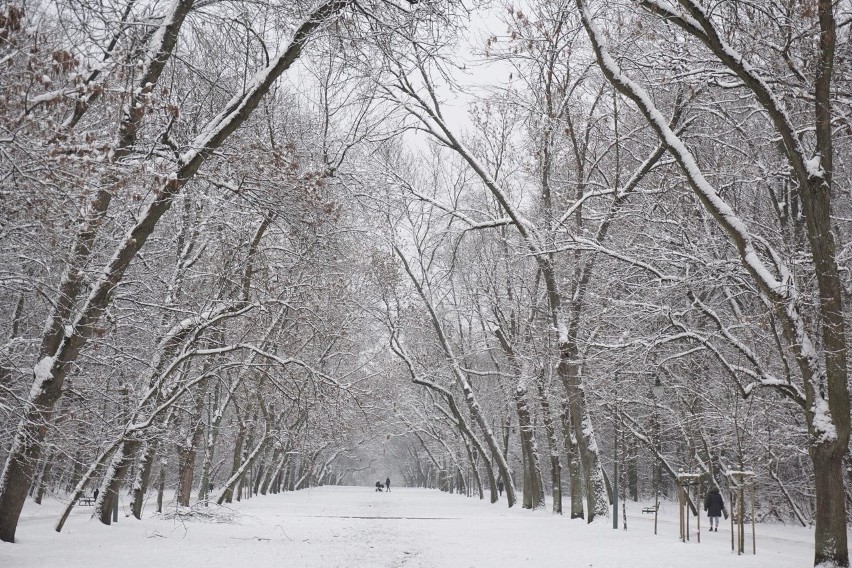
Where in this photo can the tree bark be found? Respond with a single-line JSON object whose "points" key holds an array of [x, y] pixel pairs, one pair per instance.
{"points": [[553, 447], [228, 492], [161, 487], [593, 483], [121, 461], [575, 477], [188, 451], [143, 477], [533, 486]]}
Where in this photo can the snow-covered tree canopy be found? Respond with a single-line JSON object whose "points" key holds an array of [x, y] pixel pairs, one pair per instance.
{"points": [[559, 246]]}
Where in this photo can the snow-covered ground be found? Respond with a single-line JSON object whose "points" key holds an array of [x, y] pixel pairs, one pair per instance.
{"points": [[355, 526]]}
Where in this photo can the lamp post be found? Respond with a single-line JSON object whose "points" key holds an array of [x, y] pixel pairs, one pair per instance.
{"points": [[656, 394]]}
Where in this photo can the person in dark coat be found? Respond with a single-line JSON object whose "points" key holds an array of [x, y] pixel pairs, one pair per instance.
{"points": [[387, 484], [500, 487], [714, 505]]}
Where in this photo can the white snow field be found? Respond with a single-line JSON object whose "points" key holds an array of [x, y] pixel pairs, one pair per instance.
{"points": [[355, 526]]}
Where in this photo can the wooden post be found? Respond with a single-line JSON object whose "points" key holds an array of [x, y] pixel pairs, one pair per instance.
{"points": [[737, 481], [684, 482], [731, 505], [680, 501], [753, 521], [697, 502], [741, 518]]}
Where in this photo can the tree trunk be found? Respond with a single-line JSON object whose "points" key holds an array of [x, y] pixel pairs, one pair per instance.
{"points": [[276, 461], [122, 459], [575, 478], [143, 477], [258, 477], [144, 467], [474, 470], [186, 461], [210, 441], [228, 493], [553, 447], [161, 487], [239, 474], [831, 546], [584, 434], [46, 475], [76, 470], [533, 487], [632, 470]]}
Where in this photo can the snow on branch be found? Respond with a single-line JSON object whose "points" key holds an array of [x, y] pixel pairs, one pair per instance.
{"points": [[698, 24], [471, 224], [589, 244], [241, 106], [763, 379], [782, 295]]}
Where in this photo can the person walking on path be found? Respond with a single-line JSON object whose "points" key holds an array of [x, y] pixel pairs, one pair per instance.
{"points": [[387, 484], [714, 505], [500, 487]]}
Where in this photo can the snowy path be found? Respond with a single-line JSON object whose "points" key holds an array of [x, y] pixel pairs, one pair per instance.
{"points": [[355, 526]]}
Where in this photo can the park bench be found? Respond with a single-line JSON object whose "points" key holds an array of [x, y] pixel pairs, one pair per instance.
{"points": [[651, 509], [87, 501]]}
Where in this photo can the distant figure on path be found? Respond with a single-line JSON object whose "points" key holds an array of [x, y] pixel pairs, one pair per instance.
{"points": [[379, 486], [714, 505], [387, 484], [500, 487], [95, 493]]}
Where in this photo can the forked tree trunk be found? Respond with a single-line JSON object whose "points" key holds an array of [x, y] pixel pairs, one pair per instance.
{"points": [[533, 494], [240, 472]]}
